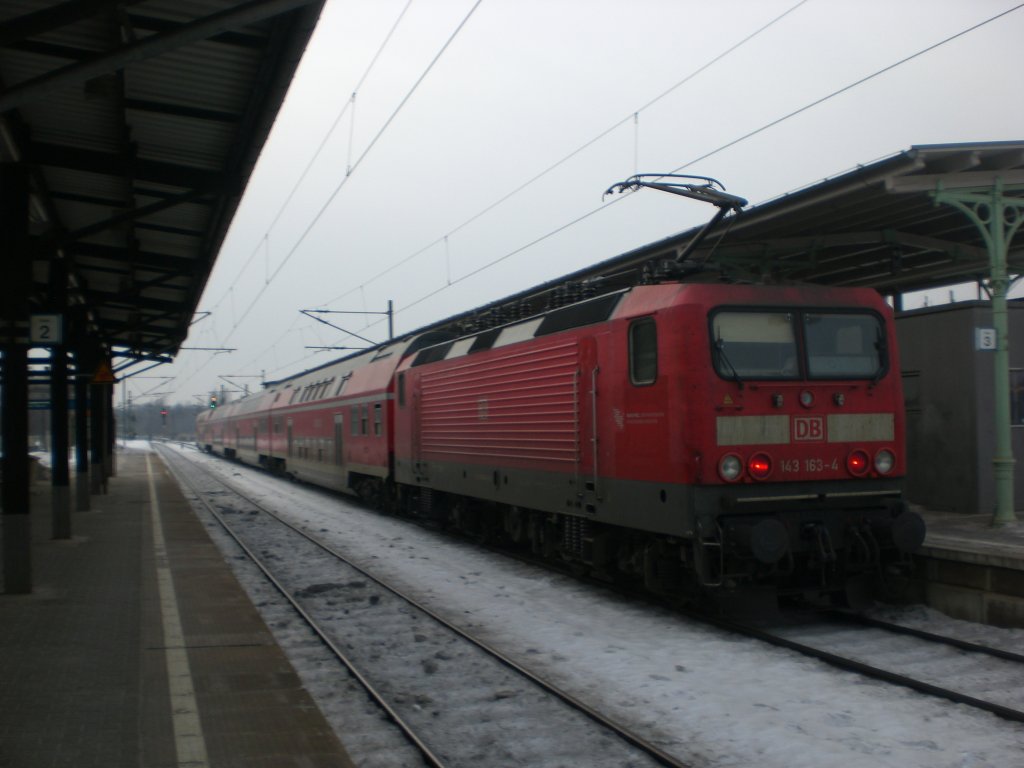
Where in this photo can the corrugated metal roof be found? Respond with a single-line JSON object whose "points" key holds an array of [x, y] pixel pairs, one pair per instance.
{"points": [[878, 225], [875, 226], [140, 123]]}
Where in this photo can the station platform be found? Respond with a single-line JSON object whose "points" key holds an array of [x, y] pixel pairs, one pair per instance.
{"points": [[138, 647], [970, 570]]}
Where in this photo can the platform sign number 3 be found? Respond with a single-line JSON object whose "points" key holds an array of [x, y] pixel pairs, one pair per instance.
{"points": [[985, 339], [46, 329]]}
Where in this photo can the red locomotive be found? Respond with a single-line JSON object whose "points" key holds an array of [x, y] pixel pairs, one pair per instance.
{"points": [[700, 437]]}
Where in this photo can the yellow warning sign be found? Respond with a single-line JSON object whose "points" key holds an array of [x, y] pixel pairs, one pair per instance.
{"points": [[728, 400], [103, 374]]}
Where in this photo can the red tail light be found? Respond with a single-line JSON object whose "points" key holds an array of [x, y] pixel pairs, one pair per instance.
{"points": [[759, 466], [857, 463]]}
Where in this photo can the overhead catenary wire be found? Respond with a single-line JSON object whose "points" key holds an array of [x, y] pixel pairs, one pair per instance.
{"points": [[849, 87], [349, 107], [369, 148], [722, 148], [348, 175], [732, 143], [632, 116]]}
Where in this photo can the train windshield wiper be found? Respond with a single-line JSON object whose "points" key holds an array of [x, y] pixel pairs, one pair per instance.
{"points": [[882, 347], [720, 348]]}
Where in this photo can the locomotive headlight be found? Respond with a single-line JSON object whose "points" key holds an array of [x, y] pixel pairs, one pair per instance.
{"points": [[807, 398], [884, 462], [730, 467], [857, 463]]}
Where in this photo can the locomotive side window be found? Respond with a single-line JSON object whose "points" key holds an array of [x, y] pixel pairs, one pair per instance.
{"points": [[643, 351], [759, 345], [355, 420], [377, 415], [848, 346]]}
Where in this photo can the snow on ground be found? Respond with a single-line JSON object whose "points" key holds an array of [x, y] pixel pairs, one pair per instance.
{"points": [[709, 697]]}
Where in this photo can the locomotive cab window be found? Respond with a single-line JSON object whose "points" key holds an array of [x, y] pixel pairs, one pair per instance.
{"points": [[794, 344], [844, 346], [754, 345], [643, 351]]}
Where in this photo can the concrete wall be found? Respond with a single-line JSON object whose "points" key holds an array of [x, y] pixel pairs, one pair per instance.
{"points": [[948, 387]]}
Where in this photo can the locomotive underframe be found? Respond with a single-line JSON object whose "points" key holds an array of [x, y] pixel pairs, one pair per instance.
{"points": [[677, 538]]}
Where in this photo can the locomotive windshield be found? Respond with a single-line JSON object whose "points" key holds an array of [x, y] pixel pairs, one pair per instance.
{"points": [[775, 344]]}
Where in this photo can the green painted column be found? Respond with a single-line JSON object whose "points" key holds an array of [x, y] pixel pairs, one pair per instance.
{"points": [[997, 218]]}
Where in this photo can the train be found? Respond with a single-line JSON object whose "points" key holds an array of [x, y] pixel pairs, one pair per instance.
{"points": [[716, 441], [706, 439]]}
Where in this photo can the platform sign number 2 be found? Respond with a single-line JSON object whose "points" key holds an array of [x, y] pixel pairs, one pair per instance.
{"points": [[46, 329]]}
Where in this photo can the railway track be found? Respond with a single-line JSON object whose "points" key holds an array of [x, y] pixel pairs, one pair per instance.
{"points": [[979, 676], [454, 699]]}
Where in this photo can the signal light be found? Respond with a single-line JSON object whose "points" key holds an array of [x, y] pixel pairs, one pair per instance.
{"points": [[213, 401], [857, 463], [759, 466]]}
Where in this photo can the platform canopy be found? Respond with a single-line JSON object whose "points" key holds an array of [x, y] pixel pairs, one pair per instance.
{"points": [[877, 225], [140, 124]]}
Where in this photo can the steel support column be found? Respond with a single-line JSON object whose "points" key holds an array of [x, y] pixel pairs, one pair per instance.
{"points": [[997, 218], [82, 368], [98, 402], [14, 290], [61, 496], [110, 445], [60, 479]]}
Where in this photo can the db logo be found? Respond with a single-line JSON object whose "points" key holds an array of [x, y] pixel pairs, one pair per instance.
{"points": [[808, 429]]}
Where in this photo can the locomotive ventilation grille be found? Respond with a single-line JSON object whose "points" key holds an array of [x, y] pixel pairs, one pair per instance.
{"points": [[522, 406]]}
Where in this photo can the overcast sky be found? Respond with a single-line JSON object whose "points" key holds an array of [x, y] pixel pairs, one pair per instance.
{"points": [[599, 89]]}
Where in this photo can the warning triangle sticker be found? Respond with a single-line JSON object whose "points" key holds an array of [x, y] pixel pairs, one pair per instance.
{"points": [[103, 374]]}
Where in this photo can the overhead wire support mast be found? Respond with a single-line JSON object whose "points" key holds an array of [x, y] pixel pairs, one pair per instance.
{"points": [[706, 192]]}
